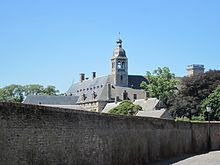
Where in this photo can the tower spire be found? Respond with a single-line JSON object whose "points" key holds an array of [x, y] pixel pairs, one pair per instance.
{"points": [[119, 41]]}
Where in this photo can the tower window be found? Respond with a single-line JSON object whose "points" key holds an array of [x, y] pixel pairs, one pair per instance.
{"points": [[121, 77], [119, 65], [135, 96], [123, 65]]}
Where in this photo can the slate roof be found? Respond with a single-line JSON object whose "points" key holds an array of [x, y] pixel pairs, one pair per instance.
{"points": [[109, 106], [99, 87], [119, 51], [155, 113], [51, 100], [74, 107], [87, 87], [149, 108], [134, 81]]}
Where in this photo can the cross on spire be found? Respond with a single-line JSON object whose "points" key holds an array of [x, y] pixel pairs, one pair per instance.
{"points": [[119, 41]]}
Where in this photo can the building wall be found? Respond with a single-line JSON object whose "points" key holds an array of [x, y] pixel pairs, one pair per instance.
{"points": [[96, 106], [195, 69], [31, 134], [90, 106]]}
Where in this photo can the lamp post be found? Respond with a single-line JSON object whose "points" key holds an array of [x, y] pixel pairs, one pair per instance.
{"points": [[209, 110]]}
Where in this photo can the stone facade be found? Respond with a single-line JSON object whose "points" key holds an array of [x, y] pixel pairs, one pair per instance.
{"points": [[31, 134], [120, 66], [195, 69]]}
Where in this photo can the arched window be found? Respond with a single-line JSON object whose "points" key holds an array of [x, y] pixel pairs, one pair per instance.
{"points": [[123, 65], [119, 65], [121, 77]]}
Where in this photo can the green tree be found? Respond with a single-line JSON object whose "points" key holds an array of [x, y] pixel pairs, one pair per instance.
{"points": [[3, 94], [50, 90], [126, 108], [187, 102], [162, 83], [213, 100], [34, 89], [17, 93], [14, 93]]}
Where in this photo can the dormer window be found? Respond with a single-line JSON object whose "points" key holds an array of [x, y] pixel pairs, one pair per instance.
{"points": [[83, 97], [94, 95]]}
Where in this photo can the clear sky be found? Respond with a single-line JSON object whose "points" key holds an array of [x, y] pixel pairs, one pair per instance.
{"points": [[50, 42]]}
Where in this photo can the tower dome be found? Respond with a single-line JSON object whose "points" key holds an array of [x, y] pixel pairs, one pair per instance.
{"points": [[119, 51]]}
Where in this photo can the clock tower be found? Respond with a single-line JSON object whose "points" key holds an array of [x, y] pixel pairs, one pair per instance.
{"points": [[119, 64]]}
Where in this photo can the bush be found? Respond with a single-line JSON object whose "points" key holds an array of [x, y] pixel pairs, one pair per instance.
{"points": [[126, 108]]}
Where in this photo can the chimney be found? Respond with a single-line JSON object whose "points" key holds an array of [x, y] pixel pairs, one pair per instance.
{"points": [[146, 95], [82, 77], [124, 95], [93, 75], [116, 99], [108, 91]]}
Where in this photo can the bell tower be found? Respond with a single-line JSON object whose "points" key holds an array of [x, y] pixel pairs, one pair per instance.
{"points": [[119, 64]]}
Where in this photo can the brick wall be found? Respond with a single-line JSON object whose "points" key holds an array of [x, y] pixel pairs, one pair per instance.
{"points": [[31, 134]]}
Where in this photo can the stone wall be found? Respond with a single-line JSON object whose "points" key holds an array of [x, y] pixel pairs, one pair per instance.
{"points": [[31, 134]]}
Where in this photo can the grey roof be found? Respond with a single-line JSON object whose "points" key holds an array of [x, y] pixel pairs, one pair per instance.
{"points": [[99, 87], [154, 113], [162, 113], [87, 87], [119, 51], [74, 107], [134, 81], [148, 108], [110, 106], [150, 104], [55, 100], [147, 105]]}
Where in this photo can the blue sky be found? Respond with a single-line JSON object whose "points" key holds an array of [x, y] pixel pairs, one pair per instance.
{"points": [[50, 42]]}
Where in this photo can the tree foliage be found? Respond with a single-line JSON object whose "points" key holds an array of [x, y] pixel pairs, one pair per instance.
{"points": [[213, 100], [17, 93], [162, 83], [50, 90], [13, 93], [187, 102], [34, 89], [126, 108]]}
